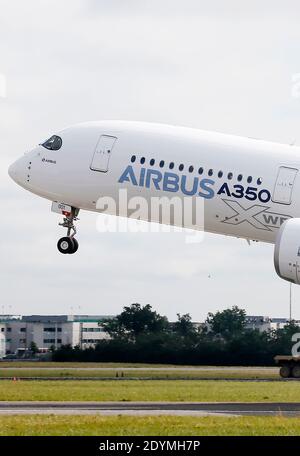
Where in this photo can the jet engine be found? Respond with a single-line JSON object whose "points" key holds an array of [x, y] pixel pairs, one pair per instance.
{"points": [[287, 251]]}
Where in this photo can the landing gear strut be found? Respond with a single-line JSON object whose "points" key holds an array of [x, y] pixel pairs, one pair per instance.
{"points": [[69, 244]]}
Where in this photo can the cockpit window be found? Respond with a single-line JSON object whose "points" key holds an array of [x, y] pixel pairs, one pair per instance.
{"points": [[53, 143]]}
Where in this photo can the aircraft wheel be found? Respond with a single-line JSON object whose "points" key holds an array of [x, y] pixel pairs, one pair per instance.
{"points": [[76, 245], [296, 371], [66, 245], [285, 371]]}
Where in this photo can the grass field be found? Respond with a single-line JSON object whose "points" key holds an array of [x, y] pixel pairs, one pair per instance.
{"points": [[115, 370], [156, 390], [140, 373], [66, 365], [152, 425], [45, 364]]}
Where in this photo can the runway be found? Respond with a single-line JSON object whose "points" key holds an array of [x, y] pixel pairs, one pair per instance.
{"points": [[152, 408]]}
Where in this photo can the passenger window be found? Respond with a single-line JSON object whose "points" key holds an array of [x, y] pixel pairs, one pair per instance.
{"points": [[161, 164], [191, 169], [181, 166], [259, 181], [230, 176], [249, 179], [220, 173], [210, 172], [133, 159], [200, 170], [171, 165], [53, 143], [240, 177], [152, 161], [142, 161]]}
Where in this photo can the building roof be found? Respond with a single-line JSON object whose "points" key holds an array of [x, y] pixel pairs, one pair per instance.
{"points": [[64, 318]]}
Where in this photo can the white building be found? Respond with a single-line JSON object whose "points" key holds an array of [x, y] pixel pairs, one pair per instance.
{"points": [[263, 323], [259, 322], [48, 331], [2, 341]]}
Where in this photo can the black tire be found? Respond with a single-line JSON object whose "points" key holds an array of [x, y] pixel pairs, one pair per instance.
{"points": [[76, 245], [65, 245], [296, 371], [285, 371]]}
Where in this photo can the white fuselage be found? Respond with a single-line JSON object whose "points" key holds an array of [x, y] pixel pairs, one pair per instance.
{"points": [[249, 187]]}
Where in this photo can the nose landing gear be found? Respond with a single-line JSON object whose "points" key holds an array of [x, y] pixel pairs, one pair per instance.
{"points": [[69, 244]]}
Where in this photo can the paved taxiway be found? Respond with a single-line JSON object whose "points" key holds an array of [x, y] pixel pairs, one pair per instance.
{"points": [[152, 408]]}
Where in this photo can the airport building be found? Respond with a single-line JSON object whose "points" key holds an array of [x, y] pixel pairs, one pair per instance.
{"points": [[17, 333], [263, 323], [259, 322], [2, 341]]}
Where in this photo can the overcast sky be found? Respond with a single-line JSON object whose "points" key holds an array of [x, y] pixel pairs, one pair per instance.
{"points": [[214, 65]]}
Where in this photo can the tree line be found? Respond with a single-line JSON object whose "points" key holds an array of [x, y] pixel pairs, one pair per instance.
{"points": [[141, 335]]}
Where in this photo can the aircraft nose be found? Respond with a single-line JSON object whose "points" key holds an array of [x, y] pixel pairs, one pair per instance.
{"points": [[17, 171], [13, 171]]}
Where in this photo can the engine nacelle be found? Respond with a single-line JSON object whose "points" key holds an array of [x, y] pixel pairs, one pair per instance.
{"points": [[287, 251]]}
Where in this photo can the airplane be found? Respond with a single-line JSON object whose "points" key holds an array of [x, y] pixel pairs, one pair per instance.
{"points": [[249, 188]]}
